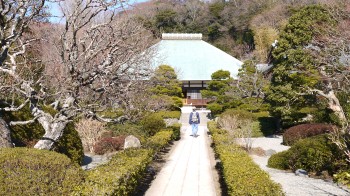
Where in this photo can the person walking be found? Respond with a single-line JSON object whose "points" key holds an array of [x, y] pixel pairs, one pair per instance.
{"points": [[194, 120]]}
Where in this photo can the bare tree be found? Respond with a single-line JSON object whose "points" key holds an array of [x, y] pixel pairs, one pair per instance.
{"points": [[93, 61], [90, 132], [15, 18]]}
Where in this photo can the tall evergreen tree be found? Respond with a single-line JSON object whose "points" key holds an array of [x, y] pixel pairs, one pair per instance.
{"points": [[299, 76]]}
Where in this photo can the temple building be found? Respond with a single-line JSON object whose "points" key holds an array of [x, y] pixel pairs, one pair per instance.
{"points": [[194, 61]]}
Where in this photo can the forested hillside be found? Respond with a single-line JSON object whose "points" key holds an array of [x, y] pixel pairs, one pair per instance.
{"points": [[244, 29]]}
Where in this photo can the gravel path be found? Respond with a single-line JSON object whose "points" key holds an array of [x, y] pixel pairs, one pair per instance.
{"points": [[291, 183]]}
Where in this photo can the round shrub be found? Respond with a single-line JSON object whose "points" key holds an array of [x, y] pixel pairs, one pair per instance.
{"points": [[279, 160], [298, 132], [314, 154], [159, 140], [25, 171], [120, 176], [152, 123], [109, 144]]}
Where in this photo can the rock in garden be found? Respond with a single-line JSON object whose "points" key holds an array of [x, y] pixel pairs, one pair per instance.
{"points": [[132, 142], [301, 172]]}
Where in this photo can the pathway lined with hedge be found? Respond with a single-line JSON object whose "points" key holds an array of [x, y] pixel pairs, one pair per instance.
{"points": [[188, 170]]}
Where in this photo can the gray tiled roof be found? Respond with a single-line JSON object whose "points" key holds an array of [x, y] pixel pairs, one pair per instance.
{"points": [[193, 58]]}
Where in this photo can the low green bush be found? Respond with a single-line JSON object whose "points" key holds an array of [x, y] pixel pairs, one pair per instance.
{"points": [[176, 131], [159, 140], [279, 160], [293, 134], [169, 114], [27, 135], [152, 123], [314, 154], [25, 171], [119, 176], [342, 177], [240, 174]]}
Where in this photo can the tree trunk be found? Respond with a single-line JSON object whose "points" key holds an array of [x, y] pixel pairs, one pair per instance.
{"points": [[53, 132], [334, 105], [5, 137], [53, 128]]}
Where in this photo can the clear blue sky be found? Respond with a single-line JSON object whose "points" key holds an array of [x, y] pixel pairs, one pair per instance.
{"points": [[55, 11]]}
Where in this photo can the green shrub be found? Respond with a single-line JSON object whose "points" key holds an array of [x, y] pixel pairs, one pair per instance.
{"points": [[152, 123], [215, 108], [159, 140], [27, 135], [169, 114], [279, 160], [177, 103], [214, 129], [240, 174], [70, 144], [119, 176], [176, 131], [314, 154], [342, 177], [298, 132], [25, 171]]}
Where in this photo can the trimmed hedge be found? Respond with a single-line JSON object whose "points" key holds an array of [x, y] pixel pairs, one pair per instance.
{"points": [[176, 131], [25, 171], [298, 132], [152, 123], [170, 114], [241, 175], [159, 140], [120, 176], [314, 154], [279, 160]]}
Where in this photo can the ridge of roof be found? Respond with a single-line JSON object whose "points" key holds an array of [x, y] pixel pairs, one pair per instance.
{"points": [[182, 36]]}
